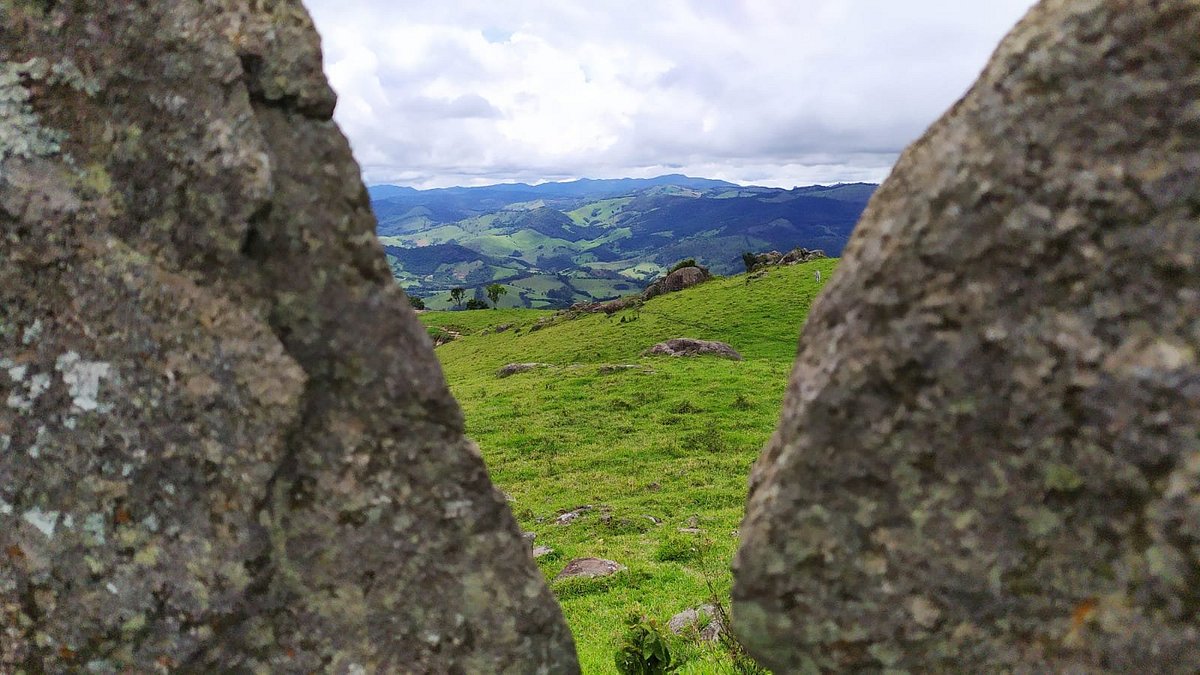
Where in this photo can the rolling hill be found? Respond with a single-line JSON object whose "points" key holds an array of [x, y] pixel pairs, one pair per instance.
{"points": [[659, 448], [555, 244]]}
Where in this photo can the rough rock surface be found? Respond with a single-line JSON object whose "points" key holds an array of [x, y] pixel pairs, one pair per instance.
{"points": [[609, 307], [689, 620], [693, 347], [989, 456], [792, 257], [225, 443], [511, 369], [589, 568], [684, 277]]}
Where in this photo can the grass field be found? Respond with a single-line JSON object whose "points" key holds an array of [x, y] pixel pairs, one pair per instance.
{"points": [[652, 450]]}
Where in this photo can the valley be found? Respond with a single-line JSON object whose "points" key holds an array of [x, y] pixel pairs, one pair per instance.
{"points": [[556, 244]]}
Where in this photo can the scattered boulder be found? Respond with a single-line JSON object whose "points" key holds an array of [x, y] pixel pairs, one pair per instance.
{"points": [[609, 307], [542, 551], [590, 568], [691, 347], [515, 368], [989, 454], [684, 277], [570, 516], [704, 620], [793, 257], [225, 441]]}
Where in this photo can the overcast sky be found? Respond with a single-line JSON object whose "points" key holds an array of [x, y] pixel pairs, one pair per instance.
{"points": [[771, 92]]}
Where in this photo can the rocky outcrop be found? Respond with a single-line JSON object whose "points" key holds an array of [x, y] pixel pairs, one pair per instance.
{"points": [[989, 456], [608, 307], [793, 257], [692, 347], [684, 277], [225, 443]]}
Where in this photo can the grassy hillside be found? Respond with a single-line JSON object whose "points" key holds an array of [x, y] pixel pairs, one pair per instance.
{"points": [[652, 450]]}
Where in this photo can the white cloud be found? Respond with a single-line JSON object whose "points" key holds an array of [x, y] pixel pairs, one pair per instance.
{"points": [[776, 92]]}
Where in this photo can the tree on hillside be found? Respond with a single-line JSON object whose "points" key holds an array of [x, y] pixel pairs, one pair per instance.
{"points": [[417, 303], [494, 291], [749, 260], [476, 303], [456, 295]]}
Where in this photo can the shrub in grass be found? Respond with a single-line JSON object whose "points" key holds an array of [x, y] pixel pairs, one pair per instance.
{"points": [[644, 648], [710, 440], [677, 549], [684, 408], [742, 403]]}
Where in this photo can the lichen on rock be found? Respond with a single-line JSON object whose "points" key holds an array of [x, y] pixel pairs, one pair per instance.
{"points": [[987, 455], [225, 445]]}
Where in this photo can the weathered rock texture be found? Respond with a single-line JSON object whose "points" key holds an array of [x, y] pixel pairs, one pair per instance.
{"points": [[225, 443], [793, 257], [684, 277], [589, 568], [989, 456], [693, 347]]}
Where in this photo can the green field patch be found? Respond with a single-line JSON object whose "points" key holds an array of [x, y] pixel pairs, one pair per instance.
{"points": [[598, 213], [661, 453]]}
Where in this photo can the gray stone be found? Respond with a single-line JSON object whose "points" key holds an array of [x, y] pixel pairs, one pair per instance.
{"points": [[684, 277], [590, 568], [989, 455], [225, 443], [689, 621], [693, 347], [570, 516], [516, 368], [541, 551]]}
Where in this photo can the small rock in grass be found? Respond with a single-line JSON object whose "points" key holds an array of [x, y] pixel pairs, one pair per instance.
{"points": [[572, 515], [590, 568], [690, 619], [514, 368]]}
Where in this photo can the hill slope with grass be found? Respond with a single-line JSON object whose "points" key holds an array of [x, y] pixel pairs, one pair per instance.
{"points": [[659, 453]]}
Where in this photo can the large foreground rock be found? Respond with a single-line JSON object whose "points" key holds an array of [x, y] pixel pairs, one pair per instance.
{"points": [[225, 443], [989, 457]]}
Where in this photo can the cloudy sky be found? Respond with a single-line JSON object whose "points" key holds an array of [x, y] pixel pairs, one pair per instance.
{"points": [[771, 92]]}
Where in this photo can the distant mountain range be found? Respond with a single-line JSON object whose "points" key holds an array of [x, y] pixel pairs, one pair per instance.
{"points": [[554, 244]]}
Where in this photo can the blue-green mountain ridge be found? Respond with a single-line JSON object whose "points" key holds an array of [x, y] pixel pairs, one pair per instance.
{"points": [[554, 244]]}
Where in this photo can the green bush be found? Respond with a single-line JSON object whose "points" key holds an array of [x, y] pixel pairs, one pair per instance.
{"points": [[677, 549], [416, 302], [644, 649], [690, 262], [476, 303]]}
